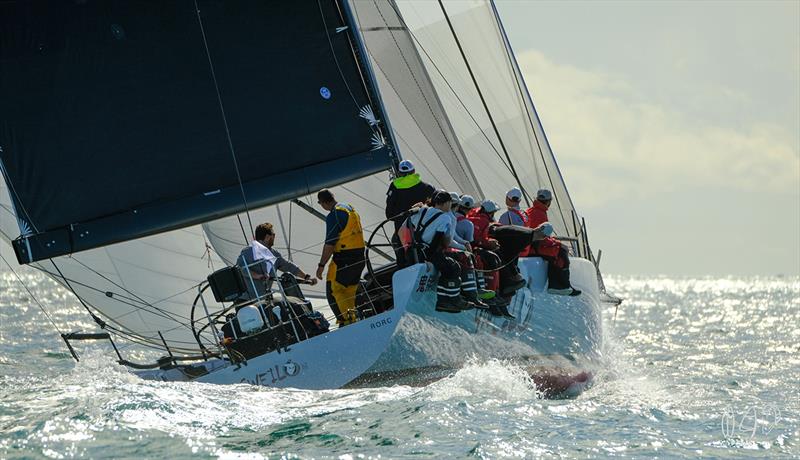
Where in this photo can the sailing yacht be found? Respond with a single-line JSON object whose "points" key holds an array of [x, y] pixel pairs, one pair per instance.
{"points": [[140, 144]]}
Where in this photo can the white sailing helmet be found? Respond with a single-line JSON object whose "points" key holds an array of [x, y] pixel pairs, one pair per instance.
{"points": [[544, 195], [405, 166], [489, 206], [467, 201]]}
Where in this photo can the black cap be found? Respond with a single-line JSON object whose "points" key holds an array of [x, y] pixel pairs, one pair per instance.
{"points": [[441, 197]]}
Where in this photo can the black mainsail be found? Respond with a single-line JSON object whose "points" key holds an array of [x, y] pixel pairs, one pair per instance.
{"points": [[122, 120], [122, 128]]}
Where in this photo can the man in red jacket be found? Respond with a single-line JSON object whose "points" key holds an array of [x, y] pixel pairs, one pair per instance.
{"points": [[550, 248], [537, 214]]}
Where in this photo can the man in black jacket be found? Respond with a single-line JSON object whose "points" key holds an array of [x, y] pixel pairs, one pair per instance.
{"points": [[406, 190]]}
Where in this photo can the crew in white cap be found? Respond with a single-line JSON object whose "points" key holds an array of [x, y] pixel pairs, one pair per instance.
{"points": [[464, 228], [513, 216], [537, 214]]}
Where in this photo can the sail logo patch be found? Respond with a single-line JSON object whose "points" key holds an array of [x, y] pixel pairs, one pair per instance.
{"points": [[325, 92], [368, 114], [24, 228]]}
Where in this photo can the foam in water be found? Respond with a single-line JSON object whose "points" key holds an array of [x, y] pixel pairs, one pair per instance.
{"points": [[690, 368]]}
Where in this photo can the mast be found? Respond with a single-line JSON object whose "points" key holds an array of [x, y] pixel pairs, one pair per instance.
{"points": [[483, 101]]}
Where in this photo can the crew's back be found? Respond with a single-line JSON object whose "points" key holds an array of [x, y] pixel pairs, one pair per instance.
{"points": [[404, 192]]}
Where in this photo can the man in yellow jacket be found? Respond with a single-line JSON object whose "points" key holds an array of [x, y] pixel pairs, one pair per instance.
{"points": [[344, 243]]}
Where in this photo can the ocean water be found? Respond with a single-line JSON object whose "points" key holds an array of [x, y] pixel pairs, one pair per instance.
{"points": [[692, 368]]}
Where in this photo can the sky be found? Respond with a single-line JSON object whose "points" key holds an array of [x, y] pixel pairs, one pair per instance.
{"points": [[676, 126]]}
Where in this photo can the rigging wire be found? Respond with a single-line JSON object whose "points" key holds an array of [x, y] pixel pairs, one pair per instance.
{"points": [[224, 117], [483, 101], [127, 301], [467, 171], [41, 307], [450, 87], [513, 61], [283, 228]]}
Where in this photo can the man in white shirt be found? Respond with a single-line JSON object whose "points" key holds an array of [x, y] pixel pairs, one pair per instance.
{"points": [[261, 260], [434, 228]]}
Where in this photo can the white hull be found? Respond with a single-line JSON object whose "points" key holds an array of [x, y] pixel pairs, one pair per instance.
{"points": [[327, 361], [560, 337]]}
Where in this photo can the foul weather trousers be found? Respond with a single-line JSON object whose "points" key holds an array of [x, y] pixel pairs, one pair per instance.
{"points": [[341, 283]]}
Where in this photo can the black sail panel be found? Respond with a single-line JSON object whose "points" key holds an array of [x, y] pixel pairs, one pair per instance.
{"points": [[121, 119]]}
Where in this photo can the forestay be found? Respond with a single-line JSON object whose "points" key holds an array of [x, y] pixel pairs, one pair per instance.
{"points": [[480, 33]]}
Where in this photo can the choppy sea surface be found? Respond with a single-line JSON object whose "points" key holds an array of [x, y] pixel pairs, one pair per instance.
{"points": [[693, 368]]}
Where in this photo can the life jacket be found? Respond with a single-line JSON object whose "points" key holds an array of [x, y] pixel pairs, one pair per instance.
{"points": [[404, 192], [524, 216], [406, 182], [410, 234], [536, 214], [352, 235], [521, 215], [422, 224], [548, 247], [480, 220]]}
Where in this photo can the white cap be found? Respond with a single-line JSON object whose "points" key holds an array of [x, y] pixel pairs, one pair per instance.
{"points": [[546, 228], [514, 194], [489, 206], [544, 195], [467, 201], [406, 166], [455, 197]]}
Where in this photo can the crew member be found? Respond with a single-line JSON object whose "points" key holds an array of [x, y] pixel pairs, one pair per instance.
{"points": [[344, 243], [406, 190], [261, 249], [432, 230], [466, 230], [464, 227], [487, 261], [513, 215], [549, 248], [459, 241], [537, 214]]}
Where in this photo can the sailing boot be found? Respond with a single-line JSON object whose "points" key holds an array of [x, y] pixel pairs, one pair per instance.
{"points": [[469, 290], [570, 291], [511, 281], [483, 293], [448, 295], [498, 306]]}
